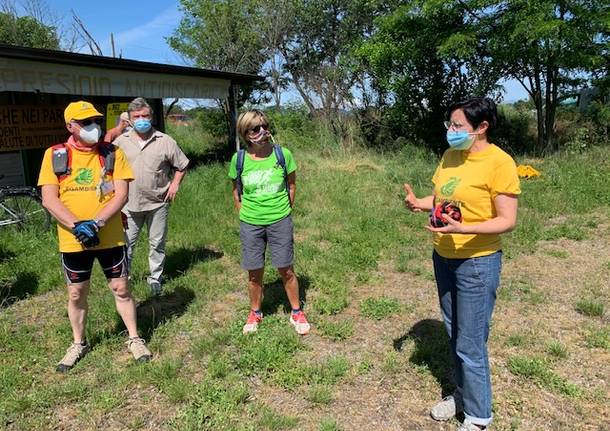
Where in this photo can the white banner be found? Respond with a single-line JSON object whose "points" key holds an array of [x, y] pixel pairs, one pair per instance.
{"points": [[28, 76]]}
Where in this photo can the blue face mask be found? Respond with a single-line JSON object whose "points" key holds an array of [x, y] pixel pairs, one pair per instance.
{"points": [[459, 140], [142, 125]]}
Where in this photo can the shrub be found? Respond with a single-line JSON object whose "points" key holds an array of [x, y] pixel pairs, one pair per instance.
{"points": [[212, 121], [516, 129]]}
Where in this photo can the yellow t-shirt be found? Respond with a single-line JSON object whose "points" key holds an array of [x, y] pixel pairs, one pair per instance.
{"points": [[472, 181], [78, 193]]}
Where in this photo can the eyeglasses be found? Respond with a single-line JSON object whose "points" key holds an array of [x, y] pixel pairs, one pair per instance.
{"points": [[449, 124], [258, 128], [88, 121]]}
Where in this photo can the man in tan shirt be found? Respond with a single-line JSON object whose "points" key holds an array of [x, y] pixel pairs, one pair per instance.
{"points": [[158, 165]]}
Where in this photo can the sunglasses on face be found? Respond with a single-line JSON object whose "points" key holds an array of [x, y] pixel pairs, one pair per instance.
{"points": [[88, 121], [258, 128]]}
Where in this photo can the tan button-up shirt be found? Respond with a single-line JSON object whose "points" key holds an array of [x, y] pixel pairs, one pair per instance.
{"points": [[153, 167]]}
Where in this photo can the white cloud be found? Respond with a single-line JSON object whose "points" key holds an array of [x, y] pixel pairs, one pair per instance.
{"points": [[147, 41]]}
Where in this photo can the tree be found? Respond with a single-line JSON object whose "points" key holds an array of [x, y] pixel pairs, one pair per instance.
{"points": [[222, 35], [550, 52], [27, 31], [550, 47], [276, 21], [418, 74], [318, 52]]}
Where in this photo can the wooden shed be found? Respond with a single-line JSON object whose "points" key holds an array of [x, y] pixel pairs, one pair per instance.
{"points": [[37, 84]]}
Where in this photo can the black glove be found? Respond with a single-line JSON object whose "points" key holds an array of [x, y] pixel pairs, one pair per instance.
{"points": [[86, 233]]}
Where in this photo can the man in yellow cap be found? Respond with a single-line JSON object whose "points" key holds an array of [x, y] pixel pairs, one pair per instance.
{"points": [[84, 185]]}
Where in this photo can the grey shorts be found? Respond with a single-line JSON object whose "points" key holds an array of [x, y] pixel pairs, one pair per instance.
{"points": [[254, 240]]}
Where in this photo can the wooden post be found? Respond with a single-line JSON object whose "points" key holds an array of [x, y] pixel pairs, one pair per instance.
{"points": [[232, 99]]}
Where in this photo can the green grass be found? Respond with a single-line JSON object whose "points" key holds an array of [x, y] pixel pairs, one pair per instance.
{"points": [[560, 254], [329, 424], [538, 370], [273, 421], [598, 338], [519, 340], [339, 330], [349, 217], [319, 394], [590, 307], [521, 290], [380, 308], [557, 350]]}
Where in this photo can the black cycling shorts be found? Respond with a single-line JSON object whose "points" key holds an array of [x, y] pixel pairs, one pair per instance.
{"points": [[77, 266]]}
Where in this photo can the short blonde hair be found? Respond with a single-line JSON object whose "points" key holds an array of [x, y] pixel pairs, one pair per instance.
{"points": [[248, 120]]}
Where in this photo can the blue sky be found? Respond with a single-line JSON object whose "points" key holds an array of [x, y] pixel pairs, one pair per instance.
{"points": [[140, 28]]}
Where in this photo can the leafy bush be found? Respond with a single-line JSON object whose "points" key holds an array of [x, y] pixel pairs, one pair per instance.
{"points": [[516, 129], [211, 121], [291, 117]]}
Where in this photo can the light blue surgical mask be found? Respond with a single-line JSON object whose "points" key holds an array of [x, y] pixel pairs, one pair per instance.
{"points": [[142, 125], [460, 139]]}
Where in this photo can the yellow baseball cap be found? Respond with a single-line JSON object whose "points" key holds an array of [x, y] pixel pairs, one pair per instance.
{"points": [[80, 110]]}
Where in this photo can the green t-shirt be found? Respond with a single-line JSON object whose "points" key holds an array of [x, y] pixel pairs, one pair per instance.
{"points": [[264, 200]]}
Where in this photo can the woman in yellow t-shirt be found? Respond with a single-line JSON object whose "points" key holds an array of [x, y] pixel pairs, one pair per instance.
{"points": [[474, 201]]}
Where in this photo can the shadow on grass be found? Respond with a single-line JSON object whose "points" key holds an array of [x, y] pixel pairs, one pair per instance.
{"points": [[5, 254], [15, 289], [154, 311], [274, 295], [431, 351], [158, 309], [219, 153], [181, 260]]}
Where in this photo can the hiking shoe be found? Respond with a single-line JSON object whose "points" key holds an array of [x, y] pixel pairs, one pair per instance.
{"points": [[300, 323], [252, 323], [137, 347], [155, 288], [446, 409], [74, 353], [469, 426]]}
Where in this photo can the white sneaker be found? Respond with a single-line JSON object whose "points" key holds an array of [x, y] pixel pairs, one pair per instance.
{"points": [[469, 426], [446, 409]]}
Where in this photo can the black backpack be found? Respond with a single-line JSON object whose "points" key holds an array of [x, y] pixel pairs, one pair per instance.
{"points": [[281, 161]]}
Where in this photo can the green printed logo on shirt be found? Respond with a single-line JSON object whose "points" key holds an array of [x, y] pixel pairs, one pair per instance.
{"points": [[449, 187], [263, 182], [84, 176]]}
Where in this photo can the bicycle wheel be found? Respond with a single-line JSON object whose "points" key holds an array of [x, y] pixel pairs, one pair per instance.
{"points": [[24, 210]]}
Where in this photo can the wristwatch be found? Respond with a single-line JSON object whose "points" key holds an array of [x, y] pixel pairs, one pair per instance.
{"points": [[99, 222]]}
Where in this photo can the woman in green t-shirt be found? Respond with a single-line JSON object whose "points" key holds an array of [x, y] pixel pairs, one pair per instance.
{"points": [[264, 186], [474, 201]]}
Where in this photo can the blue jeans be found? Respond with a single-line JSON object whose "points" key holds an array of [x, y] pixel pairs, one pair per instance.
{"points": [[467, 295]]}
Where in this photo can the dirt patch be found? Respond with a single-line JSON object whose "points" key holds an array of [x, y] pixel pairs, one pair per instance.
{"points": [[398, 389]]}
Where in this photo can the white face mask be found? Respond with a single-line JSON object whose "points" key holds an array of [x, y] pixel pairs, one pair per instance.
{"points": [[90, 134]]}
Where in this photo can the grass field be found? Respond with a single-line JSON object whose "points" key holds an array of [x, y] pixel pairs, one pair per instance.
{"points": [[377, 357]]}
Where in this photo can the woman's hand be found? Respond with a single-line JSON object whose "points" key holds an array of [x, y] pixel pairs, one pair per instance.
{"points": [[411, 200], [506, 209], [453, 226]]}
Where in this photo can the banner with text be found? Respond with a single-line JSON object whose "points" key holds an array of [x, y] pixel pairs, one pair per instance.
{"points": [[27, 75], [23, 127]]}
